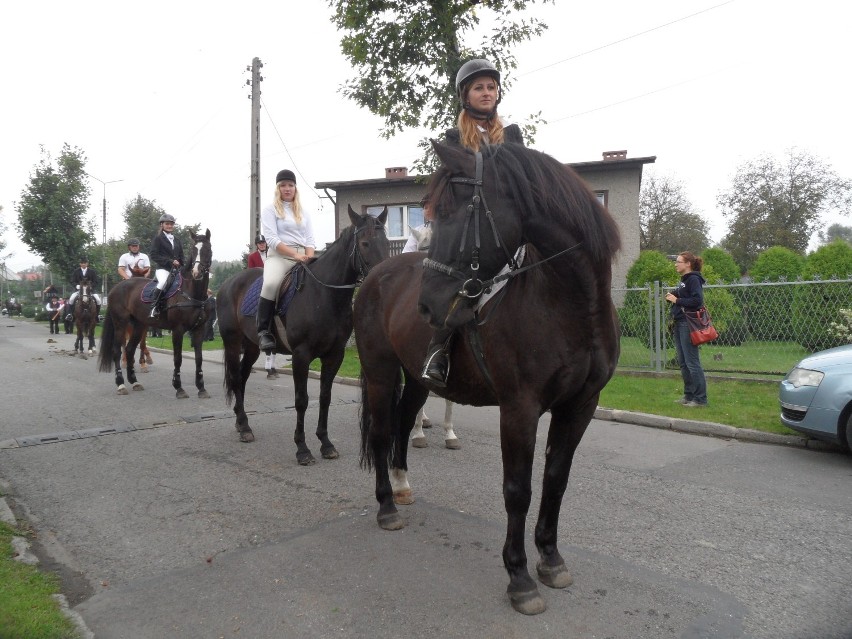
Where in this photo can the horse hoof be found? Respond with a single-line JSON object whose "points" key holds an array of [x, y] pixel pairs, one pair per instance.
{"points": [[554, 576], [122, 390], [83, 356], [419, 442], [138, 387], [181, 394], [148, 358], [306, 460], [246, 436], [426, 423], [403, 497], [452, 444], [203, 394], [329, 453], [391, 521], [144, 369], [528, 603]]}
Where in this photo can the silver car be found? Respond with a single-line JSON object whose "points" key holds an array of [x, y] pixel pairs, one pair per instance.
{"points": [[816, 396]]}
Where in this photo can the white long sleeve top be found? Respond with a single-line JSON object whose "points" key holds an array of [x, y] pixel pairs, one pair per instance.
{"points": [[277, 229]]}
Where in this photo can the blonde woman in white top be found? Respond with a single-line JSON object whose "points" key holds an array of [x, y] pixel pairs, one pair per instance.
{"points": [[289, 234]]}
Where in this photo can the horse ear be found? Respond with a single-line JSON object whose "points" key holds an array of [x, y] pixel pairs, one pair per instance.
{"points": [[353, 216], [208, 235], [383, 218], [451, 157]]}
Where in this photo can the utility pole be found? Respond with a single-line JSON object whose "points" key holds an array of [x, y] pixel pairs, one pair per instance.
{"points": [[104, 277], [254, 207]]}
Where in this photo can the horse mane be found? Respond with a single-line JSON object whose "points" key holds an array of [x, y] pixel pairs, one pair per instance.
{"points": [[557, 206]]}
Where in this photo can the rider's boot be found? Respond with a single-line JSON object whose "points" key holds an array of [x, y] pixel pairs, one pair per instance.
{"points": [[265, 311], [155, 307], [436, 369]]}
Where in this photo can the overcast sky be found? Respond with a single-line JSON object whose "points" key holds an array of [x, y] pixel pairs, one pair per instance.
{"points": [[155, 94]]}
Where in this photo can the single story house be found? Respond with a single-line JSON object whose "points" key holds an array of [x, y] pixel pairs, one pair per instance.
{"points": [[615, 179]]}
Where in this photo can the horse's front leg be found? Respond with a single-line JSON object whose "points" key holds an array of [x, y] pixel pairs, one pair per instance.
{"points": [[300, 364], [518, 424], [197, 337], [177, 350], [330, 366], [567, 425], [450, 439]]}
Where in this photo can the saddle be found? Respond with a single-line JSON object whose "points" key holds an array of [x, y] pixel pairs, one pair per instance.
{"points": [[147, 294], [292, 282]]}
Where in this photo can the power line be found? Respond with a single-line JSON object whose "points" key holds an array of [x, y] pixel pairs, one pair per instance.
{"points": [[630, 37], [286, 150]]}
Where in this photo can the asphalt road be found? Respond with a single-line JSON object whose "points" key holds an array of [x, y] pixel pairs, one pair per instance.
{"points": [[161, 524]]}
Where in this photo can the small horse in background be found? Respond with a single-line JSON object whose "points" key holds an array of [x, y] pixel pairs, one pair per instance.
{"points": [[548, 341], [317, 324], [85, 319], [183, 311], [13, 306], [144, 354]]}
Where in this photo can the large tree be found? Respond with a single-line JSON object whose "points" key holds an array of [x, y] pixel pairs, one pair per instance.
{"points": [[775, 202], [3, 242], [406, 54], [835, 232], [667, 221], [51, 213]]}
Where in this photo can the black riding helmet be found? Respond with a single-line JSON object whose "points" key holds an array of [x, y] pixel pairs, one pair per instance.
{"points": [[259, 239], [473, 69]]}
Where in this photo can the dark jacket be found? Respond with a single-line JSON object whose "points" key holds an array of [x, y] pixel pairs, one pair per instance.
{"points": [[511, 133], [162, 254], [689, 294], [91, 275]]}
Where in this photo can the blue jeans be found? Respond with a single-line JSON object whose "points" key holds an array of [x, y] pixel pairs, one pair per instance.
{"points": [[694, 384]]}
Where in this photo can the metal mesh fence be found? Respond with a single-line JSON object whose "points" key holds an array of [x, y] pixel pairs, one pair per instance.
{"points": [[764, 328]]}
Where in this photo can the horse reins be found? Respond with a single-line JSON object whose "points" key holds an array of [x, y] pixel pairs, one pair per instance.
{"points": [[359, 264]]}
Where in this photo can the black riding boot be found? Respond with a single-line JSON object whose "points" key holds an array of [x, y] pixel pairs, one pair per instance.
{"points": [[265, 311], [437, 366], [155, 307]]}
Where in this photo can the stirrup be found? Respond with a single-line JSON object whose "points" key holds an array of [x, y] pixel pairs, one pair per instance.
{"points": [[432, 369]]}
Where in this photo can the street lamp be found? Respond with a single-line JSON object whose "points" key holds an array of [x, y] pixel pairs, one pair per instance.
{"points": [[104, 279]]}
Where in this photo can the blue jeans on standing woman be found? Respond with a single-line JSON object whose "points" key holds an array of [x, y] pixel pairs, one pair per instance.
{"points": [[694, 384]]}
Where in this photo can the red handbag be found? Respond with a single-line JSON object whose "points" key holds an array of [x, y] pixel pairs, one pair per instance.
{"points": [[701, 329]]}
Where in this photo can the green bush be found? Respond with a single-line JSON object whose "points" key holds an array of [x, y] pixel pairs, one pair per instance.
{"points": [[816, 306], [722, 264]]}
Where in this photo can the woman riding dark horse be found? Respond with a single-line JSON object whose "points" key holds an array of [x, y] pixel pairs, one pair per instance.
{"points": [[520, 266], [317, 324], [183, 305]]}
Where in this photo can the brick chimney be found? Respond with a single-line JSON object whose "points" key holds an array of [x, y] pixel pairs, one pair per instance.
{"points": [[395, 172], [609, 156]]}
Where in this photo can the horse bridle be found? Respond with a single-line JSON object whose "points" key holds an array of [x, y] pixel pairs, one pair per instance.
{"points": [[359, 264], [472, 287]]}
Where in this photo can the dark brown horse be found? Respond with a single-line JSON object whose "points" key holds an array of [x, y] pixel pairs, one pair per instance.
{"points": [[318, 324], [144, 354], [547, 341], [185, 311], [85, 319]]}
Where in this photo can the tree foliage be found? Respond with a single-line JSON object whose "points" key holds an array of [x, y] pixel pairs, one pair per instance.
{"points": [[777, 264], [835, 232], [652, 266], [780, 203], [667, 222], [51, 212], [3, 242], [142, 220], [406, 53], [722, 264]]}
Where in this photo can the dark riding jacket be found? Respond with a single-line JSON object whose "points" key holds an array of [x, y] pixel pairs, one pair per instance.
{"points": [[91, 275], [511, 133], [162, 253]]}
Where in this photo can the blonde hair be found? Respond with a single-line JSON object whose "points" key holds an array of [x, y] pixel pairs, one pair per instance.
{"points": [[470, 135], [279, 204]]}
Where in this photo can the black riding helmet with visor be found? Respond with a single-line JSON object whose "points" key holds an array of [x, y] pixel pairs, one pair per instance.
{"points": [[467, 73]]}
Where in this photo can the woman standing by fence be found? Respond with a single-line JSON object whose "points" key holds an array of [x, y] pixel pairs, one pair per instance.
{"points": [[689, 295]]}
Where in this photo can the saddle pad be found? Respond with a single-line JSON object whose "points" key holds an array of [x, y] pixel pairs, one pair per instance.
{"points": [[147, 294], [292, 282]]}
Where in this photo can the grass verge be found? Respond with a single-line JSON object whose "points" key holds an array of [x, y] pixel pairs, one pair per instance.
{"points": [[27, 608]]}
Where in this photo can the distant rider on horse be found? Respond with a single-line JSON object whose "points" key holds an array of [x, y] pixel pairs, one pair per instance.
{"points": [[166, 256], [84, 272], [134, 263]]}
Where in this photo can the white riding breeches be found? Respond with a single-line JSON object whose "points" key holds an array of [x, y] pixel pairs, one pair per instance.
{"points": [[74, 295], [162, 276], [275, 270]]}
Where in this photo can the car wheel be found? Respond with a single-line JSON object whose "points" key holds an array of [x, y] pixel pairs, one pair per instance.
{"points": [[848, 438]]}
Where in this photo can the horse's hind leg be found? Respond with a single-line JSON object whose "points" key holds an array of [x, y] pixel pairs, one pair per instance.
{"points": [[567, 425], [237, 385], [410, 404], [418, 437], [450, 439], [300, 382], [197, 339]]}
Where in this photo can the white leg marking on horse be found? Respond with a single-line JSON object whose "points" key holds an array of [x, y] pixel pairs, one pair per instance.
{"points": [[402, 494]]}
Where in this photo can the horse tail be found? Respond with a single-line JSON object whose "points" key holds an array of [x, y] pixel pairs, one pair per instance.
{"points": [[367, 460], [107, 340]]}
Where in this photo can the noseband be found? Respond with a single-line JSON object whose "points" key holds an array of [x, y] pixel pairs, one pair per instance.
{"points": [[358, 263], [472, 287]]}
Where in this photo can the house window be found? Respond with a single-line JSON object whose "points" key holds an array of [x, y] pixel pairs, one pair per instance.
{"points": [[401, 218], [602, 196]]}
